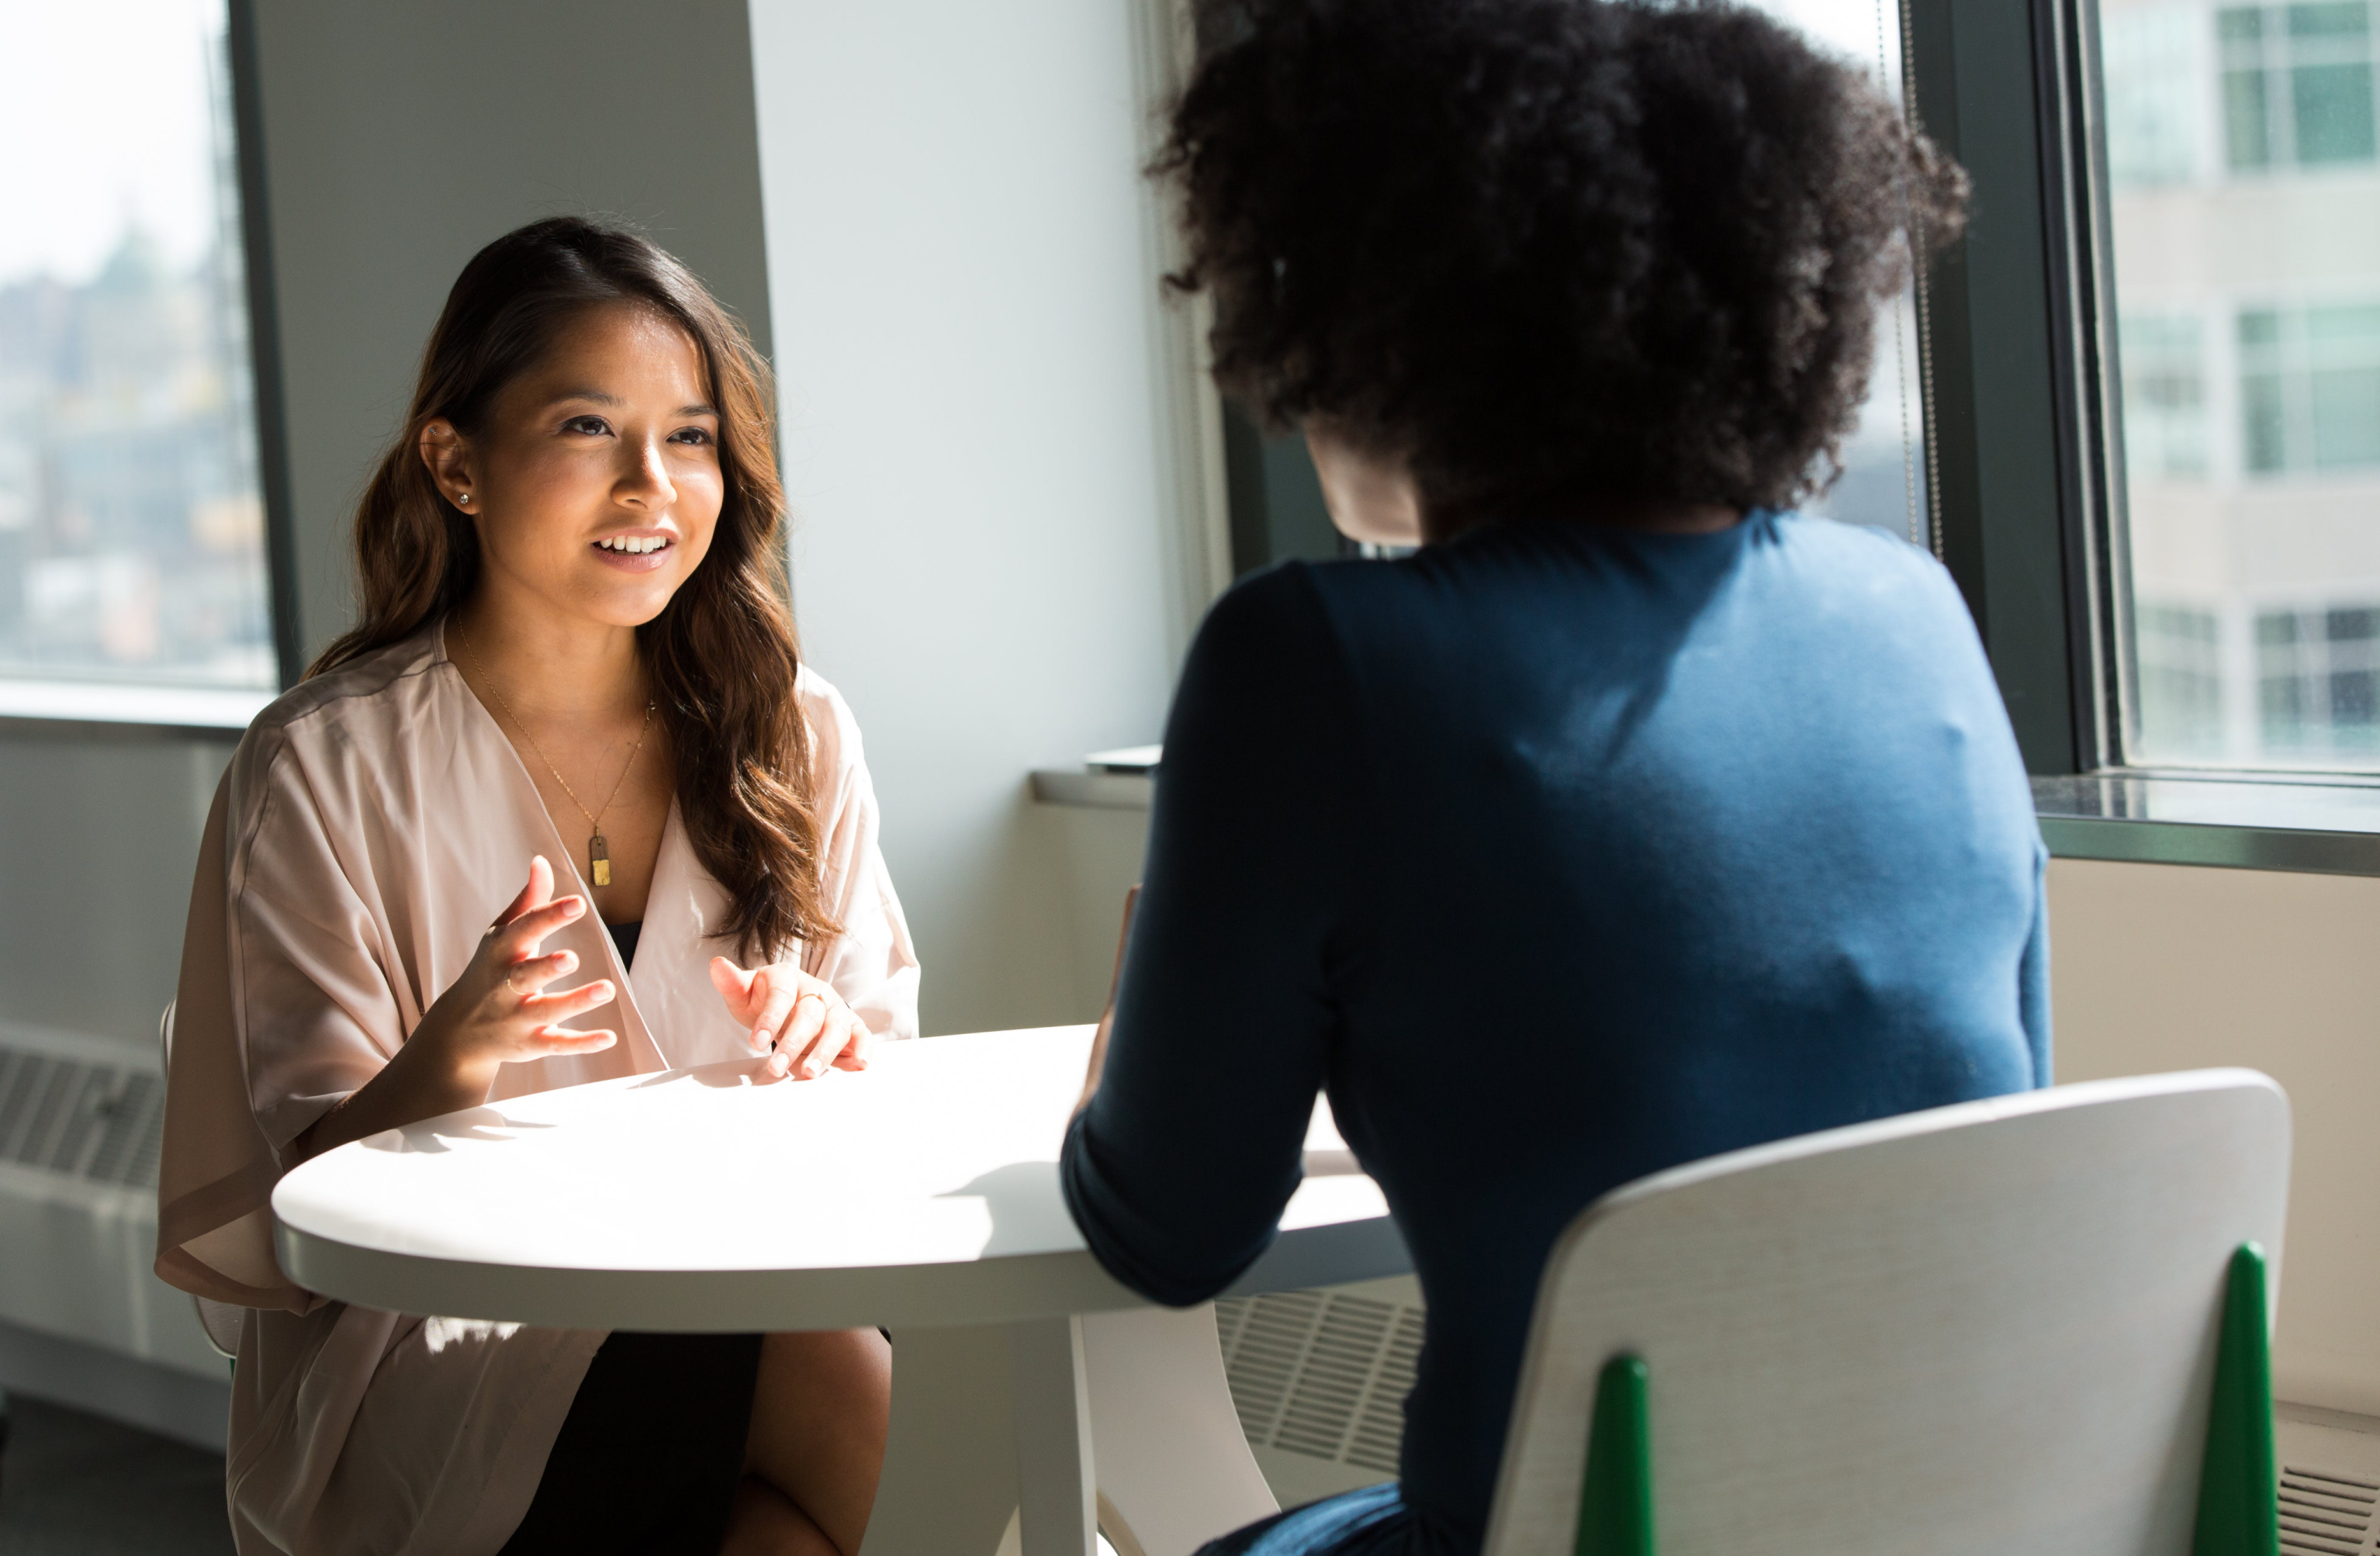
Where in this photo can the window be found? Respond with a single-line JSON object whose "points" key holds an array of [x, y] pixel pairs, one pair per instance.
{"points": [[2152, 107], [2310, 387], [2318, 682], [2182, 677], [131, 523], [2246, 292], [2165, 397], [2297, 84]]}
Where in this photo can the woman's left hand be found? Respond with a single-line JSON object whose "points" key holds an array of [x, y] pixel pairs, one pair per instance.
{"points": [[799, 1021]]}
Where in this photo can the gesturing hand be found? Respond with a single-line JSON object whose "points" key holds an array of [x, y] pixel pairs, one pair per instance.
{"points": [[799, 1021], [498, 1012]]}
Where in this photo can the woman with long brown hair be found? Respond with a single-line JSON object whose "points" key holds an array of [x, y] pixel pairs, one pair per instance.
{"points": [[570, 731]]}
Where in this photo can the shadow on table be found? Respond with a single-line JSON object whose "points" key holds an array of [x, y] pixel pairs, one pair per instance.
{"points": [[430, 1136], [1029, 1211], [727, 1074]]}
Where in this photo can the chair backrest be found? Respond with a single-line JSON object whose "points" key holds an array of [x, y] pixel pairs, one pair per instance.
{"points": [[1976, 1330], [219, 1321]]}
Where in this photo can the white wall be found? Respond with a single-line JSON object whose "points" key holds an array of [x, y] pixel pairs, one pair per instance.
{"points": [[996, 554], [2166, 967]]}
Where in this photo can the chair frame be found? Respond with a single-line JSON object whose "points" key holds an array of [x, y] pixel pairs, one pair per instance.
{"points": [[1611, 1310], [2239, 1505]]}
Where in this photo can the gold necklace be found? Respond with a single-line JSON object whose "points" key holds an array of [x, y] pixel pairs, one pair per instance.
{"points": [[598, 853]]}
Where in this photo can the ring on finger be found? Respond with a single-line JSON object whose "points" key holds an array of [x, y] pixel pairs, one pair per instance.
{"points": [[514, 987]]}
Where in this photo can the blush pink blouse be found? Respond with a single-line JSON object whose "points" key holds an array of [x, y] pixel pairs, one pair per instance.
{"points": [[372, 823]]}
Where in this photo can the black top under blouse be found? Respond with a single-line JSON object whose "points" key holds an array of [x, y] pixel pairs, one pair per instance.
{"points": [[624, 937]]}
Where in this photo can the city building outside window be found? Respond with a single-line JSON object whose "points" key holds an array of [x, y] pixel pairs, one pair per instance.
{"points": [[2244, 210], [132, 524]]}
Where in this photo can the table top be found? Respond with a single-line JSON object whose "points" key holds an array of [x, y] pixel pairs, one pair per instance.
{"points": [[921, 1191]]}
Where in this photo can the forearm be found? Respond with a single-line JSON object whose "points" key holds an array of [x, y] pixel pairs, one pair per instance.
{"points": [[421, 1082], [1099, 1061]]}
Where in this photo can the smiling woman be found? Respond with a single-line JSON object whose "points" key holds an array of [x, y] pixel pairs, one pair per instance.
{"points": [[569, 620]]}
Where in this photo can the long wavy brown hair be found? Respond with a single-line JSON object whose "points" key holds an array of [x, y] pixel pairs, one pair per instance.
{"points": [[722, 656]]}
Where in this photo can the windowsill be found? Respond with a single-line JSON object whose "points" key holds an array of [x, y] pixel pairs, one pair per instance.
{"points": [[1091, 789], [2316, 824], [208, 713]]}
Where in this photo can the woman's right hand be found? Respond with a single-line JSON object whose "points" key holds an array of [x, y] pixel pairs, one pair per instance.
{"points": [[498, 1012]]}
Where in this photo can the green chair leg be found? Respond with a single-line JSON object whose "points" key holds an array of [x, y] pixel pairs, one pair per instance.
{"points": [[1615, 1506], [2239, 1509]]}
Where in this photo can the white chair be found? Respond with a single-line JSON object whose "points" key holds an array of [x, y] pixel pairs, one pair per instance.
{"points": [[1979, 1331], [219, 1321]]}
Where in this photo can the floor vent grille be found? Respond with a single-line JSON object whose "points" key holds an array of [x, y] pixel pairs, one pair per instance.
{"points": [[83, 1118], [2327, 1513], [1320, 1373]]}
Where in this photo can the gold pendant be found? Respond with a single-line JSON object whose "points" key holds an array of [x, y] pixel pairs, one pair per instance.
{"points": [[599, 861]]}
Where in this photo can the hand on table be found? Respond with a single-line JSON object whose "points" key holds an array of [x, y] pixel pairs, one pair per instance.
{"points": [[799, 1021], [496, 1013]]}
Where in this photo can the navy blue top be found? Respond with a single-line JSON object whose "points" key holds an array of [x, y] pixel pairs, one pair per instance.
{"points": [[1559, 854]]}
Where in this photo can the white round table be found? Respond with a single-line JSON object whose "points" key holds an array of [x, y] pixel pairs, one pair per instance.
{"points": [[920, 1195]]}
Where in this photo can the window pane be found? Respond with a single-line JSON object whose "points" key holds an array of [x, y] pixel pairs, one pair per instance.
{"points": [[2248, 343], [1883, 479], [2153, 113], [2245, 114], [131, 532], [2333, 19], [2264, 425], [2333, 104], [2346, 419], [2164, 389]]}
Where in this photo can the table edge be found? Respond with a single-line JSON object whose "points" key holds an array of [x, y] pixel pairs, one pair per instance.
{"points": [[1005, 1289]]}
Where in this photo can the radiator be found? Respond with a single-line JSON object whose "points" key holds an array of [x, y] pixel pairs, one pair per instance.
{"points": [[80, 1121]]}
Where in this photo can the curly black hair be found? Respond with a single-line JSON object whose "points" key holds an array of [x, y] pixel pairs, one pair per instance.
{"points": [[1550, 253]]}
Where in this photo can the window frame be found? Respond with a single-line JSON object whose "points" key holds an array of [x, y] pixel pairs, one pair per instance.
{"points": [[2033, 492], [2022, 368], [264, 343]]}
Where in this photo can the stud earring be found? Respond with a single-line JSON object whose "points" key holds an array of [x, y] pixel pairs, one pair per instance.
{"points": [[462, 497]]}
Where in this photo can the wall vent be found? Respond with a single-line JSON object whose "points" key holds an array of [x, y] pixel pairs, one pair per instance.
{"points": [[82, 1117], [1324, 1374], [2325, 1512]]}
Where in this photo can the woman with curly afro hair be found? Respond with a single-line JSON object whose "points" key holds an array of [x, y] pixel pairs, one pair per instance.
{"points": [[1634, 817]]}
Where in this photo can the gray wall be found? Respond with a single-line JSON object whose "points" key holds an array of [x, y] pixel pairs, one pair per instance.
{"points": [[97, 860], [400, 138]]}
